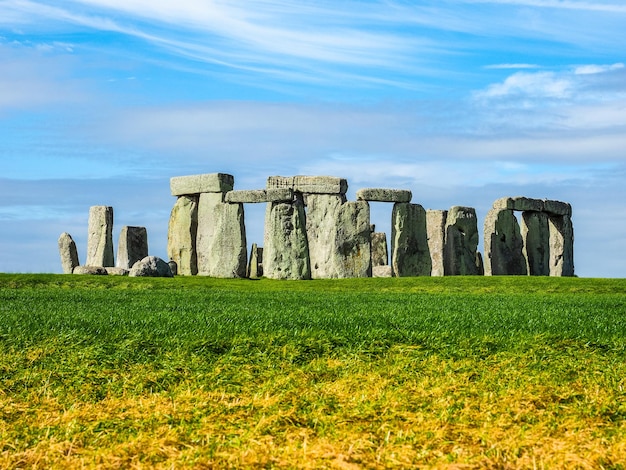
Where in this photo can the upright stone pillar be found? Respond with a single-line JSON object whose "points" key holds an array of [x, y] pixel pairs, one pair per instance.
{"points": [[436, 233], [460, 254], [132, 246], [68, 252], [503, 244], [221, 240], [352, 241], [536, 237], [322, 227], [286, 250], [255, 263], [410, 254], [380, 253], [100, 237], [561, 245], [182, 233]]}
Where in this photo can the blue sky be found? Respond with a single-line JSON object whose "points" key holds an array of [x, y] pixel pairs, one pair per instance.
{"points": [[461, 101]]}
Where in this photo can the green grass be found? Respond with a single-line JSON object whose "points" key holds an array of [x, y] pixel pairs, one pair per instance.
{"points": [[376, 373]]}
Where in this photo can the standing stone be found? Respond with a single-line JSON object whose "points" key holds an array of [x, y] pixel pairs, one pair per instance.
{"points": [[536, 236], [380, 254], [221, 239], [352, 241], [503, 244], [322, 227], [182, 233], [100, 237], [436, 233], [561, 246], [132, 246], [461, 242], [286, 250], [255, 264], [410, 255], [68, 252]]}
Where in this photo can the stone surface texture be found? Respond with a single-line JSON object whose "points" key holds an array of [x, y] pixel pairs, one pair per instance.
{"points": [[382, 271], [132, 246], [246, 196], [221, 238], [100, 237], [384, 195], [205, 183], [380, 252], [436, 234], [309, 184], [536, 238], [111, 271], [255, 263], [410, 254], [561, 246], [91, 270], [461, 242], [321, 227], [286, 250], [352, 241], [68, 253], [503, 244], [151, 266], [182, 234]]}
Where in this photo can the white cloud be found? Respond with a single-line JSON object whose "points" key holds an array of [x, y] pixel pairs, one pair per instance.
{"points": [[533, 85], [593, 69]]}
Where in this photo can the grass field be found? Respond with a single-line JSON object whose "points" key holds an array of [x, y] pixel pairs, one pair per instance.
{"points": [[455, 372]]}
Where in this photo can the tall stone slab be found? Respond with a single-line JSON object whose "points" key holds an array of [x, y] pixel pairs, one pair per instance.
{"points": [[536, 236], [561, 245], [132, 246], [68, 252], [182, 233], [410, 254], [436, 233], [380, 253], [255, 263], [221, 238], [461, 242], [286, 250], [503, 244], [322, 226], [352, 241], [100, 237]]}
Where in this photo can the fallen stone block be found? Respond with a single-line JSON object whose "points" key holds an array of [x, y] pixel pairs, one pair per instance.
{"points": [[384, 195], [151, 266], [198, 184], [113, 271], [68, 252], [90, 270], [100, 237], [132, 246], [382, 271]]}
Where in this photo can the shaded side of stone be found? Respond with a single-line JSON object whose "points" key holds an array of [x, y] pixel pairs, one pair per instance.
{"points": [[286, 250], [100, 237], [384, 195], [436, 231], [380, 253], [410, 254], [221, 238], [503, 244], [205, 183], [561, 246], [536, 237], [68, 253], [461, 242], [182, 234], [132, 246]]}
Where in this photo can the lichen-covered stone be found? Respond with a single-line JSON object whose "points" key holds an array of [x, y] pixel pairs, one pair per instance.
{"points": [[380, 253], [68, 253], [132, 246], [221, 240], [536, 236], [286, 250], [352, 241], [410, 254], [436, 233], [246, 196], [557, 208], [151, 266], [461, 242], [205, 183], [309, 184], [561, 246], [322, 227], [111, 271], [503, 244], [100, 237], [91, 270], [182, 235], [384, 195]]}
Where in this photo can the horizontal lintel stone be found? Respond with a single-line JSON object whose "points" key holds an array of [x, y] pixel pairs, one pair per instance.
{"points": [[309, 184], [245, 195], [521, 203], [384, 195], [205, 183]]}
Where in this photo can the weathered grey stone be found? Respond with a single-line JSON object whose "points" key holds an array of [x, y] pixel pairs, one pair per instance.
{"points": [[557, 208], [410, 254], [100, 237], [436, 233], [286, 250], [279, 194], [246, 196], [352, 241], [111, 271], [519, 203], [384, 195], [382, 271], [68, 252], [561, 246], [221, 239], [151, 266], [197, 184], [461, 242], [309, 184], [91, 270], [536, 237], [182, 234], [321, 227], [173, 267], [255, 263], [380, 254], [503, 244], [132, 246]]}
